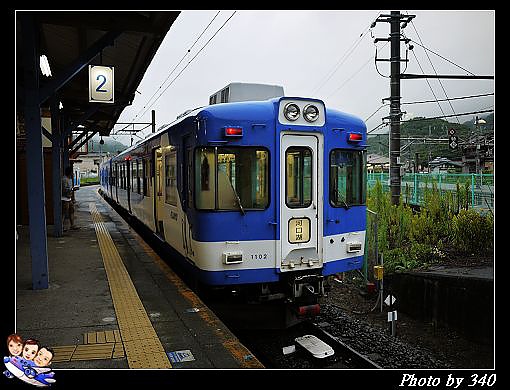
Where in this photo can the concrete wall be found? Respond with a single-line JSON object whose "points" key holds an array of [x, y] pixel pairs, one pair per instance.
{"points": [[464, 304]]}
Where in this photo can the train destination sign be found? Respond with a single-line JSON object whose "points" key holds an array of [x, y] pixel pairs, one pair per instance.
{"points": [[101, 84], [299, 230]]}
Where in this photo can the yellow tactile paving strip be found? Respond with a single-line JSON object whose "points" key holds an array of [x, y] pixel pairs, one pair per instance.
{"points": [[244, 357], [142, 345]]}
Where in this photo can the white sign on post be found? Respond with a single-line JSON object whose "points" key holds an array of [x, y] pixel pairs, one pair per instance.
{"points": [[101, 85]]}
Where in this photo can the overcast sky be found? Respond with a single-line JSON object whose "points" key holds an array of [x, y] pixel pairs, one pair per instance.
{"points": [[321, 54]]}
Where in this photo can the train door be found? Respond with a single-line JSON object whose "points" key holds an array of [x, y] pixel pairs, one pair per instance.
{"points": [[117, 182], [301, 198], [128, 184], [159, 199], [110, 177], [187, 194]]}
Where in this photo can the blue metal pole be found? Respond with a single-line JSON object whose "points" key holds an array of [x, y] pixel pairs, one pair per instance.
{"points": [[34, 156]]}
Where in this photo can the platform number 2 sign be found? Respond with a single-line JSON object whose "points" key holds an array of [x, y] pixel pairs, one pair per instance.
{"points": [[101, 85]]}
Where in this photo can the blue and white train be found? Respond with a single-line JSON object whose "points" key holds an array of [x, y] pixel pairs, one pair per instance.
{"points": [[267, 196]]}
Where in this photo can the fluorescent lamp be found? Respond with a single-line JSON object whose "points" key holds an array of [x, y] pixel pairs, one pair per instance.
{"points": [[45, 66]]}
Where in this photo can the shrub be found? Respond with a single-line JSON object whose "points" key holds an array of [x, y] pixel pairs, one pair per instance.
{"points": [[412, 240], [473, 233]]}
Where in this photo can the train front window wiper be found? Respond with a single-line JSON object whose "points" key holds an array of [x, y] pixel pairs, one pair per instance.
{"points": [[237, 198], [340, 199]]}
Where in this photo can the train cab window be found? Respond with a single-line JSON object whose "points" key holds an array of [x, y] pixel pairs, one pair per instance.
{"points": [[298, 172], [171, 178], [347, 178], [233, 178]]}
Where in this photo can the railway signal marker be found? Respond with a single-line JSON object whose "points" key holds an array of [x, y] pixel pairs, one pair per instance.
{"points": [[390, 300], [453, 141]]}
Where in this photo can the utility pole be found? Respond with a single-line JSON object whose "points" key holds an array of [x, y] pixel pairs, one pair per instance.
{"points": [[395, 113], [394, 19]]}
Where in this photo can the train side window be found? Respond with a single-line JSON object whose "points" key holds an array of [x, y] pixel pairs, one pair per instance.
{"points": [[347, 177], [134, 173], [116, 175], [121, 176], [144, 178], [138, 176], [124, 176], [171, 178], [298, 177], [145, 172]]}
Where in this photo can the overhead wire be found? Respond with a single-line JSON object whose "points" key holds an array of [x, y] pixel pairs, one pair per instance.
{"points": [[346, 55], [440, 82], [455, 98], [431, 101], [190, 61], [176, 66], [352, 76], [439, 55], [428, 82]]}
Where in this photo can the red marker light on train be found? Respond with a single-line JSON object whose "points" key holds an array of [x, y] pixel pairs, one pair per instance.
{"points": [[234, 131], [355, 137]]}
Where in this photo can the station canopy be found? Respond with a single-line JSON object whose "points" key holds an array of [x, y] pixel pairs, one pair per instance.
{"points": [[66, 36]]}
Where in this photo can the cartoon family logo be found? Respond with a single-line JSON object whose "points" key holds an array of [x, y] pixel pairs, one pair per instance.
{"points": [[28, 361]]}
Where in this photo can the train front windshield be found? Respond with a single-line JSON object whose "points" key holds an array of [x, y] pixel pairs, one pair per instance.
{"points": [[347, 177], [231, 178]]}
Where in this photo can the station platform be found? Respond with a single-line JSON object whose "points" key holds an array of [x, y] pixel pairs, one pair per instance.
{"points": [[460, 298], [112, 302]]}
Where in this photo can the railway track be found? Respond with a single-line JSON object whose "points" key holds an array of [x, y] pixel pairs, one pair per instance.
{"points": [[268, 346]]}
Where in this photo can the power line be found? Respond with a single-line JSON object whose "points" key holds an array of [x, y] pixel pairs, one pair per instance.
{"points": [[455, 98], [352, 76], [176, 66], [375, 112], [430, 86], [432, 101], [440, 82], [430, 118], [378, 126], [439, 55], [346, 55], [448, 116], [190, 61]]}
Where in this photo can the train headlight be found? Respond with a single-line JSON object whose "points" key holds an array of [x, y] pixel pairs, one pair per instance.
{"points": [[310, 113], [291, 111]]}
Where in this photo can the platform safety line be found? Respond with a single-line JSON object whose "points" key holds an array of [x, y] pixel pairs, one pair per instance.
{"points": [[141, 343], [230, 343]]}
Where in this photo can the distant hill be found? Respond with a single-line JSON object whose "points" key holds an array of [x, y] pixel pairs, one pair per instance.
{"points": [[110, 145], [431, 128], [489, 119]]}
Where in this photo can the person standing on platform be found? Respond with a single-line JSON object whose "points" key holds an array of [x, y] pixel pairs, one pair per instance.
{"points": [[68, 198]]}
